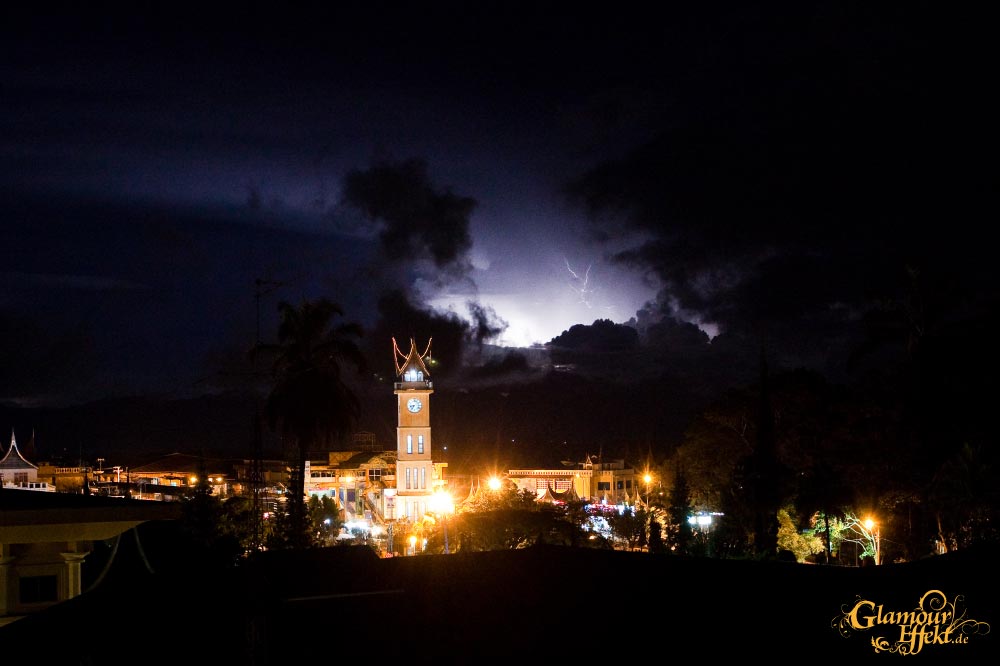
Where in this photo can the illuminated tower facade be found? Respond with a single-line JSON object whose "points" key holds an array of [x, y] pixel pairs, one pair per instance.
{"points": [[415, 470]]}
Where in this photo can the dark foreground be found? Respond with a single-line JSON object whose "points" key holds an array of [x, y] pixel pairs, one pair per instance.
{"points": [[553, 603]]}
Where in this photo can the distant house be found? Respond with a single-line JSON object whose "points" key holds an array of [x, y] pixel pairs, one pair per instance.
{"points": [[63, 478], [173, 476]]}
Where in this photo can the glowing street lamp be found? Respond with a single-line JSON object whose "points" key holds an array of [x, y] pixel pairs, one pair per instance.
{"points": [[875, 536], [443, 504], [493, 483], [647, 478]]}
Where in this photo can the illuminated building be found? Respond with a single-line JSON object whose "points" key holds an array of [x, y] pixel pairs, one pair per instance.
{"points": [[594, 480], [395, 487], [417, 476]]}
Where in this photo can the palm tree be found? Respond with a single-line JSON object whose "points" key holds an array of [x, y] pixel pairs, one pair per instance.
{"points": [[309, 405]]}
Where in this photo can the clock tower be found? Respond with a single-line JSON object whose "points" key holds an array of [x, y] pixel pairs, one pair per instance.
{"points": [[415, 468]]}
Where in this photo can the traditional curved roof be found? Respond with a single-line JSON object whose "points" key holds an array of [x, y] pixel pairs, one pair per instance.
{"points": [[555, 497], [474, 490], [569, 495], [13, 459]]}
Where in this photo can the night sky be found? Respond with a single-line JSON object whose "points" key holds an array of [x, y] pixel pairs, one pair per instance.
{"points": [[721, 178]]}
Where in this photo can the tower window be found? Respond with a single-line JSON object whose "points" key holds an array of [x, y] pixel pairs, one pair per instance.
{"points": [[420, 443], [423, 478], [408, 483], [413, 375], [409, 443]]}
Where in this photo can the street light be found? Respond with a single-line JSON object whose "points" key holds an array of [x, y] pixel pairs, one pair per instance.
{"points": [[443, 504], [875, 537], [648, 478]]}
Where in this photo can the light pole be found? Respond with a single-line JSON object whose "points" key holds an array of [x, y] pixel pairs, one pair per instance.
{"points": [[648, 478], [875, 536], [443, 504]]}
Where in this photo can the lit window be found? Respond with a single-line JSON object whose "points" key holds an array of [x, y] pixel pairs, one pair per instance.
{"points": [[409, 443], [420, 443]]}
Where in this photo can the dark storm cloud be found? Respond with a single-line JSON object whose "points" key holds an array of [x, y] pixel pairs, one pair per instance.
{"points": [[510, 365], [148, 298], [416, 219], [800, 180], [601, 337], [457, 341], [486, 325], [400, 319], [419, 222], [785, 167]]}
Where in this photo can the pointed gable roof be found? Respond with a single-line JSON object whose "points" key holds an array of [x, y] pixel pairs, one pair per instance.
{"points": [[552, 496], [475, 490], [569, 495], [13, 459], [547, 497]]}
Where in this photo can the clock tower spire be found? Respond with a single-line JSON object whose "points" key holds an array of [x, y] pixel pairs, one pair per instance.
{"points": [[414, 464]]}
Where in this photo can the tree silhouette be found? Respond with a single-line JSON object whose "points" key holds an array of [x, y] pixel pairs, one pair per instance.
{"points": [[310, 405], [823, 492], [762, 478], [679, 529], [964, 499]]}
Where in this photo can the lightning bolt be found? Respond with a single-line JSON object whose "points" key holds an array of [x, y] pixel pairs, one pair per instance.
{"points": [[584, 283]]}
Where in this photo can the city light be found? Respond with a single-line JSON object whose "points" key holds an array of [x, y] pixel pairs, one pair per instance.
{"points": [[442, 503], [874, 538]]}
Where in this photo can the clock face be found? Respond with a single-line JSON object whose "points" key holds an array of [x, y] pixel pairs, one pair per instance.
{"points": [[414, 405]]}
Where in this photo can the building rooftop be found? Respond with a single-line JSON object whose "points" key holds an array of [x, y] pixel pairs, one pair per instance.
{"points": [[13, 460]]}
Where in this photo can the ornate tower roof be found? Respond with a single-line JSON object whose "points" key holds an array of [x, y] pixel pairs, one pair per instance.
{"points": [[410, 366]]}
